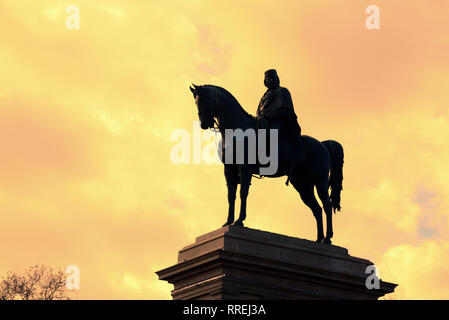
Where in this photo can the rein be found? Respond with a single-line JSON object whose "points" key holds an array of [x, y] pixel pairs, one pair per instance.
{"points": [[217, 128]]}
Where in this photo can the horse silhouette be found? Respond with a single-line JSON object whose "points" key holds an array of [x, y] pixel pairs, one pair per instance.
{"points": [[312, 164]]}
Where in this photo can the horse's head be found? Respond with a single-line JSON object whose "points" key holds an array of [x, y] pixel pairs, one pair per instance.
{"points": [[207, 107]]}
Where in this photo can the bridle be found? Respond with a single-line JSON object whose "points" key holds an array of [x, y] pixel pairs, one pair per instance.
{"points": [[216, 125], [214, 115], [211, 114]]}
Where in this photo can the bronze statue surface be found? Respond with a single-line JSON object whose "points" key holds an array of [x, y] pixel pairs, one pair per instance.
{"points": [[306, 161]]}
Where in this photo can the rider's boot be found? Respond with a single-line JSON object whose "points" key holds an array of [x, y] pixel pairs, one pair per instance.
{"points": [[298, 140]]}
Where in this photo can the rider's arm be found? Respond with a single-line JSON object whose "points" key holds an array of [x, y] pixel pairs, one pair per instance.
{"points": [[280, 113]]}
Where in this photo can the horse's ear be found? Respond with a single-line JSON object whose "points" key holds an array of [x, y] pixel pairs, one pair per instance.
{"points": [[194, 89]]}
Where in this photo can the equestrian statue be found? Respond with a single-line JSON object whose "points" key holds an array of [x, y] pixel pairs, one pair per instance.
{"points": [[307, 162]]}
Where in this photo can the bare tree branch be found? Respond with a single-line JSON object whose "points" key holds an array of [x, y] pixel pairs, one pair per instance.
{"points": [[39, 282]]}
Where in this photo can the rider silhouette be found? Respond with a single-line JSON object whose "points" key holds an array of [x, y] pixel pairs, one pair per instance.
{"points": [[276, 104]]}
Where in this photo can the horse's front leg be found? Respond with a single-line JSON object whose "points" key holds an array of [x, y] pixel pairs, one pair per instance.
{"points": [[231, 175], [245, 182]]}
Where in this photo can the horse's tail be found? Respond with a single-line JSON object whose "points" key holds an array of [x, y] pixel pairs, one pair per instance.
{"points": [[336, 175]]}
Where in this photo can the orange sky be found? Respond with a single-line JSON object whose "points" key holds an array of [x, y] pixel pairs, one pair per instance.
{"points": [[86, 117]]}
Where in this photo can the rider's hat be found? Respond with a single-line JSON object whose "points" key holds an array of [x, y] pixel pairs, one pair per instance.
{"points": [[271, 72]]}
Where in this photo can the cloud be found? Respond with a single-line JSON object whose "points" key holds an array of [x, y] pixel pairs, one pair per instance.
{"points": [[421, 271], [86, 118], [423, 196], [210, 56], [41, 140]]}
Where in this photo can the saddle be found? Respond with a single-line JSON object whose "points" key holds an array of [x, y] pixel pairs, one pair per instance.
{"points": [[283, 119]]}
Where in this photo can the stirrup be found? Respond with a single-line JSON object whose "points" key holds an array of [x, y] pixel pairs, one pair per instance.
{"points": [[291, 168]]}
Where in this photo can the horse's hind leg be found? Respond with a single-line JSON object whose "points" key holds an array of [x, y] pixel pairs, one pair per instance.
{"points": [[324, 197], [308, 197]]}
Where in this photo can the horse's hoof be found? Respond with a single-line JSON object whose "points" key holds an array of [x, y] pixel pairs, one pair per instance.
{"points": [[319, 239], [327, 240], [238, 223], [227, 223]]}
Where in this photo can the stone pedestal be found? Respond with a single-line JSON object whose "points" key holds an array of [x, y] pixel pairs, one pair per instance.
{"points": [[242, 263]]}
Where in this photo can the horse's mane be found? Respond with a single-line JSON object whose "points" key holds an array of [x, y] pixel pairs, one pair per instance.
{"points": [[229, 96]]}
